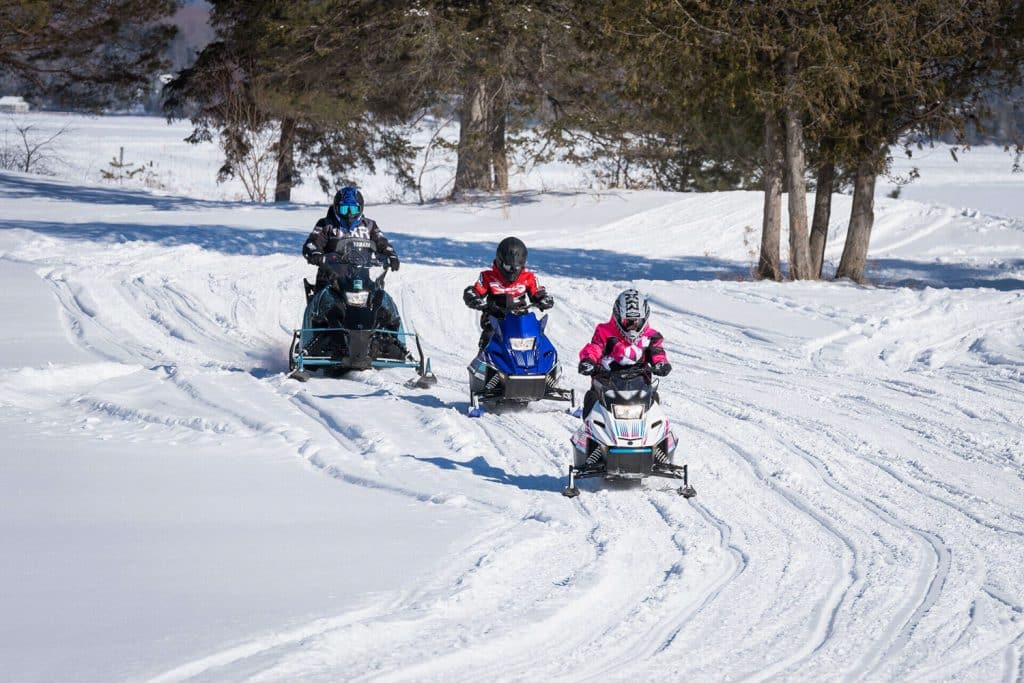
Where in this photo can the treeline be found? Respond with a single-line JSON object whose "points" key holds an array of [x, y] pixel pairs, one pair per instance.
{"points": [[783, 95]]}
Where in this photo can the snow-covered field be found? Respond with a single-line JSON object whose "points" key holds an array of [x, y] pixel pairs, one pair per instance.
{"points": [[174, 508]]}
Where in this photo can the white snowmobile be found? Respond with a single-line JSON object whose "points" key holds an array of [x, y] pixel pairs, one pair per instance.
{"points": [[626, 434]]}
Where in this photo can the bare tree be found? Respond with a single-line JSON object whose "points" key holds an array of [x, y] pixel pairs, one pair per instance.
{"points": [[248, 137], [31, 150]]}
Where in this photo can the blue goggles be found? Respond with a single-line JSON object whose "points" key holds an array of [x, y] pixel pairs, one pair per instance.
{"points": [[348, 210]]}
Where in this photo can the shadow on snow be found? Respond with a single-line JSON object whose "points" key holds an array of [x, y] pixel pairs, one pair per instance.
{"points": [[918, 274], [27, 187], [483, 469], [597, 264]]}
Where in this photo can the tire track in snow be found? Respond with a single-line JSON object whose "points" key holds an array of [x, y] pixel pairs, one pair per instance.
{"points": [[845, 574], [511, 434], [931, 577], [601, 528]]}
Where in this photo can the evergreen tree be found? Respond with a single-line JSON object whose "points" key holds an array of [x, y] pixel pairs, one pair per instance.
{"points": [[316, 71], [84, 53]]}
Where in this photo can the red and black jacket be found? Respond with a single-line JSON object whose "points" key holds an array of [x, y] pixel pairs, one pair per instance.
{"points": [[493, 287]]}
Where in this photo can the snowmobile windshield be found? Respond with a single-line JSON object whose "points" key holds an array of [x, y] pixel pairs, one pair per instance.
{"points": [[626, 387], [354, 251], [509, 304]]}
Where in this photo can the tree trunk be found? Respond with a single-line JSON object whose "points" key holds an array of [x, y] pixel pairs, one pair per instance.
{"points": [[862, 218], [799, 255], [285, 162], [822, 213], [473, 171], [768, 267], [499, 153]]}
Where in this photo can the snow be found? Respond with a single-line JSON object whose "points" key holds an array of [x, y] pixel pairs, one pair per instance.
{"points": [[175, 508]]}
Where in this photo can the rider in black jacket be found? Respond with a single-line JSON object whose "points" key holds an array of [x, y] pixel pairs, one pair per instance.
{"points": [[345, 219]]}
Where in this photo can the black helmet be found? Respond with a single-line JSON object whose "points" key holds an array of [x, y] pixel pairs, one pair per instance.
{"points": [[348, 206], [510, 258]]}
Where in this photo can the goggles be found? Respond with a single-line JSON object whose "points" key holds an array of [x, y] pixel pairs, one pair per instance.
{"points": [[631, 324], [348, 210]]}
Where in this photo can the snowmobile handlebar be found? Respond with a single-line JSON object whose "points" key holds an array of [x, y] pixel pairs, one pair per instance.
{"points": [[627, 372], [495, 308]]}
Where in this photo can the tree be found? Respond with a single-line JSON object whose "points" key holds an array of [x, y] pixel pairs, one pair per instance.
{"points": [[32, 150], [847, 79], [925, 68], [89, 53], [493, 61], [743, 56], [332, 107], [768, 266]]}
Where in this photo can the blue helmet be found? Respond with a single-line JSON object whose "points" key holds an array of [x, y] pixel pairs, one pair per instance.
{"points": [[348, 206]]}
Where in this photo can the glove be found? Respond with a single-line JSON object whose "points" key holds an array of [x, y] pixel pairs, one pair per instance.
{"points": [[587, 367], [473, 300], [661, 369], [393, 262], [545, 303], [316, 258]]}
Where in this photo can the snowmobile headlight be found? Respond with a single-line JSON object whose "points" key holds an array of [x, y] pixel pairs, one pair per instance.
{"points": [[628, 411], [356, 298], [522, 343]]}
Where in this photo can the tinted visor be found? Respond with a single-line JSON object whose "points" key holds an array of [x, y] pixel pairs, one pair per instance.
{"points": [[631, 324], [512, 269]]}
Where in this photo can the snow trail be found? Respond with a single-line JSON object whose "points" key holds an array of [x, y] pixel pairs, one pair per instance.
{"points": [[857, 452]]}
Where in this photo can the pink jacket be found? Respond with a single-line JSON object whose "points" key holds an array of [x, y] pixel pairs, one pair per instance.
{"points": [[607, 347]]}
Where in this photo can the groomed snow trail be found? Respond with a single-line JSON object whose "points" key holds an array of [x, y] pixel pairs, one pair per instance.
{"points": [[858, 455]]}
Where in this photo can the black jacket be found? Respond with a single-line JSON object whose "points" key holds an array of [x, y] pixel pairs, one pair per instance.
{"points": [[325, 236]]}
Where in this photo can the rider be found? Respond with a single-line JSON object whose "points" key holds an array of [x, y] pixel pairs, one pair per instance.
{"points": [[506, 278], [623, 341], [344, 219]]}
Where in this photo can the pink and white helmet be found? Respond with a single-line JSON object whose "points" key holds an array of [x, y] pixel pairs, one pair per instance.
{"points": [[630, 313]]}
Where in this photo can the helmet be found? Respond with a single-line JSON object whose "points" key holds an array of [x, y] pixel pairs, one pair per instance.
{"points": [[348, 206], [630, 313], [511, 258]]}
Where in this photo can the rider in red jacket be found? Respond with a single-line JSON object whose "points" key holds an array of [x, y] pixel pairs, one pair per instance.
{"points": [[506, 282]]}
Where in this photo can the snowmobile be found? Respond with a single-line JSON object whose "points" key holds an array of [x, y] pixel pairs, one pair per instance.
{"points": [[519, 364], [626, 435], [351, 323]]}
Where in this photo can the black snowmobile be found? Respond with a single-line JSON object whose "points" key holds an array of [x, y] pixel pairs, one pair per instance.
{"points": [[352, 323]]}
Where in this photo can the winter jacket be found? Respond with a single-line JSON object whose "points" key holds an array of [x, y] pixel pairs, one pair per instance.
{"points": [[325, 236], [492, 285], [610, 350]]}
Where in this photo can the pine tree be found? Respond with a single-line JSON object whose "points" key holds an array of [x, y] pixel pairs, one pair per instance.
{"points": [[84, 53]]}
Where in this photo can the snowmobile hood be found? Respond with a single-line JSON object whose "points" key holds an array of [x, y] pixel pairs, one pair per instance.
{"points": [[519, 346]]}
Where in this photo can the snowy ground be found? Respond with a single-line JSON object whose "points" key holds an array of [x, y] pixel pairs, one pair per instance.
{"points": [[175, 509]]}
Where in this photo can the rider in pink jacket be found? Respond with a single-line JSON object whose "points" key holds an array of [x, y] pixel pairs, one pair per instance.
{"points": [[623, 341]]}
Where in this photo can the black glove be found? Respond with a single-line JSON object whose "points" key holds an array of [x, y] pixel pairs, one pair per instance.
{"points": [[393, 262], [474, 300], [661, 369], [545, 302], [587, 367], [316, 258]]}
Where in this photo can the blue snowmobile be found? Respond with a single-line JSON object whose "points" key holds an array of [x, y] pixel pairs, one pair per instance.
{"points": [[352, 323], [519, 364]]}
